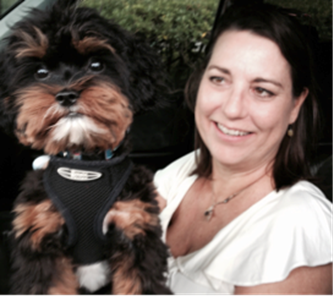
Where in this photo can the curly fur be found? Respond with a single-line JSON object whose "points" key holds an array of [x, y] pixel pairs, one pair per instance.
{"points": [[72, 81]]}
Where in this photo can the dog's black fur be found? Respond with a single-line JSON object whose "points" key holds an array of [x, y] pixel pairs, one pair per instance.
{"points": [[70, 62]]}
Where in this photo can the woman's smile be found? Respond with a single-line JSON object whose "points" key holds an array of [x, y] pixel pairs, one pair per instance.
{"points": [[231, 135], [231, 131]]}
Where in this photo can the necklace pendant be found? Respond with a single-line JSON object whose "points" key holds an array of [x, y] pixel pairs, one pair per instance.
{"points": [[208, 213]]}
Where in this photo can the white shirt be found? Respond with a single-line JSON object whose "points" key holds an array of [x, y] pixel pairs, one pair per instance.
{"points": [[282, 231]]}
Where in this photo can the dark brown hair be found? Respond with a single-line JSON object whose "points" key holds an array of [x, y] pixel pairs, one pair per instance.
{"points": [[281, 27]]}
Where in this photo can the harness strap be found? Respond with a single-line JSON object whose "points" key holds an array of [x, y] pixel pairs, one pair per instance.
{"points": [[84, 191]]}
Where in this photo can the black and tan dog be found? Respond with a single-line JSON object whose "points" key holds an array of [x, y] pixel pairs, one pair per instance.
{"points": [[71, 83]]}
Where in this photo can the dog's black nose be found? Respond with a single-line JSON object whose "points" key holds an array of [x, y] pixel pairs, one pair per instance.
{"points": [[67, 98]]}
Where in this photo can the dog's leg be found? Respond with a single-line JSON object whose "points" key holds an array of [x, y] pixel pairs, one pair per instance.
{"points": [[39, 264], [64, 282], [125, 277], [37, 220], [137, 260]]}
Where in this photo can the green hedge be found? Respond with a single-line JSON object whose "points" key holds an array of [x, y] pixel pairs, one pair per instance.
{"points": [[190, 20], [162, 19], [173, 27], [320, 12], [179, 29]]}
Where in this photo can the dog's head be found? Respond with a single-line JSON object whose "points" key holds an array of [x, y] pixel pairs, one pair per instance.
{"points": [[71, 80]]}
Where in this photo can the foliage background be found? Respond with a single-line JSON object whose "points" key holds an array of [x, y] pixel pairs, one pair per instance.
{"points": [[320, 12], [179, 29]]}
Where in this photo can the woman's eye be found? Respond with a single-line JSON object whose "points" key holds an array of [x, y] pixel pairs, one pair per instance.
{"points": [[217, 80], [42, 73], [263, 92], [96, 66]]}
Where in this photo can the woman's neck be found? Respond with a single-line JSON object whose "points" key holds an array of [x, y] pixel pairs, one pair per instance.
{"points": [[227, 181]]}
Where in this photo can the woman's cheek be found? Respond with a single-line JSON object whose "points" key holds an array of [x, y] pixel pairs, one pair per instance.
{"points": [[202, 108], [270, 120], [208, 101]]}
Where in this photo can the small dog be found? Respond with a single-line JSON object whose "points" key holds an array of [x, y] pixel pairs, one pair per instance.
{"points": [[71, 84]]}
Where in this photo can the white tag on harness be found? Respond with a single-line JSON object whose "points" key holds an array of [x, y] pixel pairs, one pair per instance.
{"points": [[78, 175]]}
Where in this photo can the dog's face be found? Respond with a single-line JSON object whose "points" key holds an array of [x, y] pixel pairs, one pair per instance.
{"points": [[73, 81]]}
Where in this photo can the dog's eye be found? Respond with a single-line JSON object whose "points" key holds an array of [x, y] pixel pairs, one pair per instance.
{"points": [[96, 66], [42, 73]]}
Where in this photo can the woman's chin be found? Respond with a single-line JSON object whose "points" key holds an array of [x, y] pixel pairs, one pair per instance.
{"points": [[233, 157], [229, 157]]}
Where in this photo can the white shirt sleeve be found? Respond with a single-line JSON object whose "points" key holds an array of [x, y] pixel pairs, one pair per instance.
{"points": [[169, 179], [295, 231]]}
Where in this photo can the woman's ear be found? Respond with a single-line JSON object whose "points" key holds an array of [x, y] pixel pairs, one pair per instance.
{"points": [[298, 102]]}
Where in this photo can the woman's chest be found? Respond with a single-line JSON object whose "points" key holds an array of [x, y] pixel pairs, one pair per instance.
{"points": [[189, 229], [185, 236]]}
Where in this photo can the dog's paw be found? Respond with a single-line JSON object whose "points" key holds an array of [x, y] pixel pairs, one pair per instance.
{"points": [[132, 217]]}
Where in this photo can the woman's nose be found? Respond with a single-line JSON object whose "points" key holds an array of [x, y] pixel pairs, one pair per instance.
{"points": [[235, 104]]}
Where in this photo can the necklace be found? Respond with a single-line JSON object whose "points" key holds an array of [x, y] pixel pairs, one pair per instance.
{"points": [[209, 211]]}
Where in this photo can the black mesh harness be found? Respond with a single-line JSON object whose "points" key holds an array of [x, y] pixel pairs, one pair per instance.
{"points": [[84, 191]]}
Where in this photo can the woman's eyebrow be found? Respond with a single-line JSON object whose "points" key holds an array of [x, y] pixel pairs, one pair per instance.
{"points": [[225, 71], [268, 81]]}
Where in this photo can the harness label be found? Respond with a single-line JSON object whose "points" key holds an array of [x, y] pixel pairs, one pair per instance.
{"points": [[78, 175]]}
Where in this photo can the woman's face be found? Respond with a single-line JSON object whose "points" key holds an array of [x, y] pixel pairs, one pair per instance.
{"points": [[245, 102]]}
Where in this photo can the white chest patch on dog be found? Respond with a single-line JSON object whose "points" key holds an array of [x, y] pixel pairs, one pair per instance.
{"points": [[94, 276], [78, 175]]}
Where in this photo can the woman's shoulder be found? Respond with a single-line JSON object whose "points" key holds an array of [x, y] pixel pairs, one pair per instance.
{"points": [[304, 201], [305, 187], [174, 174], [303, 211], [181, 165], [300, 217], [291, 228]]}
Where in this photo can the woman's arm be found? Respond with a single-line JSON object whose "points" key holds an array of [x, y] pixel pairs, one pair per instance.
{"points": [[161, 201], [302, 280]]}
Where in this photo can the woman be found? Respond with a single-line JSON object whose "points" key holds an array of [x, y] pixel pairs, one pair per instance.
{"points": [[238, 214]]}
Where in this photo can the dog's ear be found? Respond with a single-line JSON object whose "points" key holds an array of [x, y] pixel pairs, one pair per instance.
{"points": [[148, 78]]}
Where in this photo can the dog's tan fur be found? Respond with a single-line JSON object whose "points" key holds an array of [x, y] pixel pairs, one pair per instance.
{"points": [[39, 219], [132, 217], [125, 275], [91, 44], [65, 282], [33, 120], [30, 46]]}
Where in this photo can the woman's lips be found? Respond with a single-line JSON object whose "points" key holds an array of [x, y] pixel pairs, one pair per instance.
{"points": [[232, 132]]}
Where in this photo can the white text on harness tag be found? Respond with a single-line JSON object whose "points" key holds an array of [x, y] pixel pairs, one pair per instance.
{"points": [[78, 175]]}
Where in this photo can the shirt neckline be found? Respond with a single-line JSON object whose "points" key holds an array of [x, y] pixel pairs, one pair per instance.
{"points": [[178, 200]]}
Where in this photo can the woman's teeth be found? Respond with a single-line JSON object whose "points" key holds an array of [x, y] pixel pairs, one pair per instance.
{"points": [[231, 132]]}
